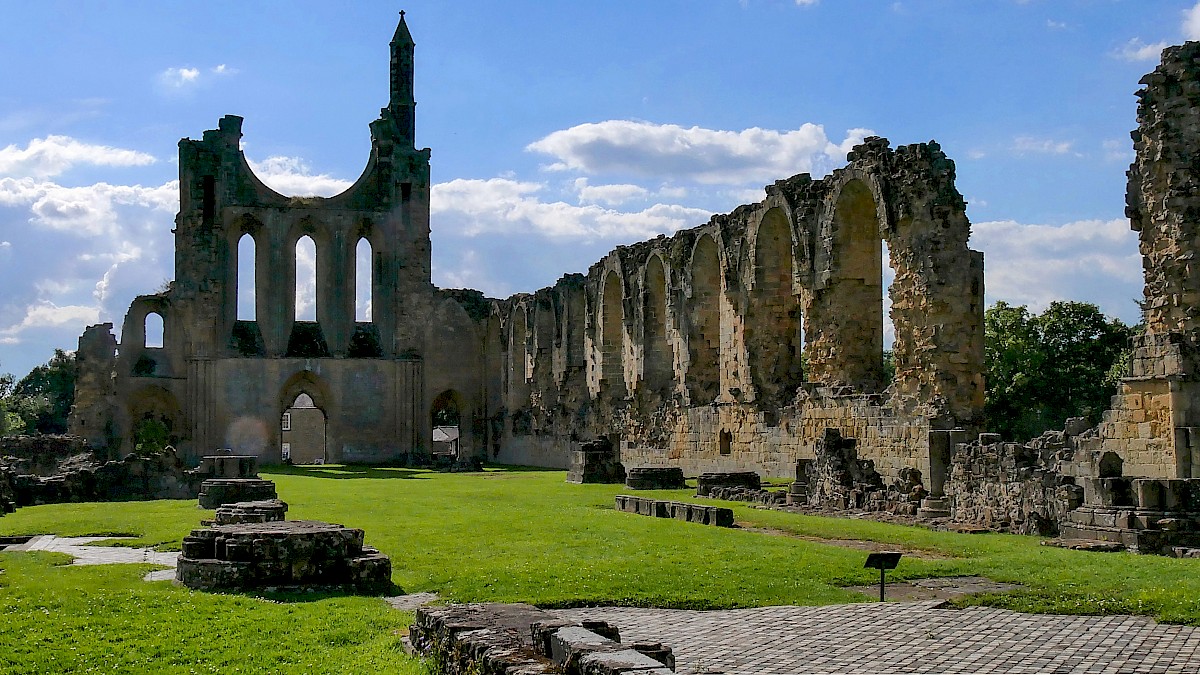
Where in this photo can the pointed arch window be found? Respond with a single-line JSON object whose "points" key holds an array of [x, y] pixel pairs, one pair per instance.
{"points": [[363, 280], [246, 291], [306, 279]]}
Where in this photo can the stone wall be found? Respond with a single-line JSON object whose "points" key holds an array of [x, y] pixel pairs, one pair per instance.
{"points": [[685, 350]]}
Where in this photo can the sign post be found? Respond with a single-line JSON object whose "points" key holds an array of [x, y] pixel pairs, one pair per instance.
{"points": [[883, 561]]}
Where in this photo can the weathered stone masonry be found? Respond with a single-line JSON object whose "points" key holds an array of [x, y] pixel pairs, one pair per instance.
{"points": [[688, 349], [219, 382]]}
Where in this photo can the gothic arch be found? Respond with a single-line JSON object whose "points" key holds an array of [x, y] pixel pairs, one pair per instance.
{"points": [[658, 364], [772, 330], [612, 345], [705, 318]]}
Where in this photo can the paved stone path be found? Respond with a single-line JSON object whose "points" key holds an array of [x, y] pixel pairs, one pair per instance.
{"points": [[904, 637], [83, 554]]}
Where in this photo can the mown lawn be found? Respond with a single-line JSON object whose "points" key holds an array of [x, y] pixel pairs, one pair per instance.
{"points": [[503, 535]]}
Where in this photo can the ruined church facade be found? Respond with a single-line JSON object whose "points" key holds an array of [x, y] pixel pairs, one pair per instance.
{"points": [[733, 344], [218, 382]]}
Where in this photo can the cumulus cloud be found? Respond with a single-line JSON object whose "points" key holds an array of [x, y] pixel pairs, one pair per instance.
{"points": [[179, 78], [1030, 145], [89, 210], [1089, 260], [473, 207], [612, 195], [294, 177], [49, 315], [1136, 50], [1191, 22], [708, 156], [50, 156]]}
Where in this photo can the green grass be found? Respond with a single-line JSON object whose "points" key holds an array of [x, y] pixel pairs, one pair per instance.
{"points": [[511, 536], [104, 618]]}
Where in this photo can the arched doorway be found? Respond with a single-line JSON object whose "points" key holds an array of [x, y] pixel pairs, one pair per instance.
{"points": [[445, 416], [155, 420], [302, 432]]}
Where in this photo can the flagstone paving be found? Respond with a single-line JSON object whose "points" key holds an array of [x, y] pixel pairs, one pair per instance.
{"points": [[903, 637], [77, 548]]}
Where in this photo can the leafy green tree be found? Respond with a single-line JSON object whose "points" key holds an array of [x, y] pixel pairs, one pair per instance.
{"points": [[1044, 368], [43, 398]]}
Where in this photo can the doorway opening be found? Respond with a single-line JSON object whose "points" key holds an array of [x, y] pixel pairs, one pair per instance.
{"points": [[302, 430]]}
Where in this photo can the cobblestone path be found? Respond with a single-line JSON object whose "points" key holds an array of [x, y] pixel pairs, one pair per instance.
{"points": [[910, 637]]}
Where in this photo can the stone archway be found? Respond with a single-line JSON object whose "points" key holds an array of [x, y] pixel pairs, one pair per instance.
{"points": [[302, 432], [306, 407], [447, 414], [155, 420]]}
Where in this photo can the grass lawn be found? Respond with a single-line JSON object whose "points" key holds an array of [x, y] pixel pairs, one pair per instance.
{"points": [[503, 535]]}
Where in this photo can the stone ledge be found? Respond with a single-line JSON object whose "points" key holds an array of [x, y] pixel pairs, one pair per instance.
{"points": [[693, 513]]}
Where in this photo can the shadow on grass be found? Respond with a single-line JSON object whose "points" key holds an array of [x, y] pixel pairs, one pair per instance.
{"points": [[348, 471], [517, 468], [317, 593]]}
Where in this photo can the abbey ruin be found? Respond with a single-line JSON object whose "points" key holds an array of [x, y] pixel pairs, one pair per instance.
{"points": [[733, 345]]}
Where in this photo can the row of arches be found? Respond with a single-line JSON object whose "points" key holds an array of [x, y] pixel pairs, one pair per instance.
{"points": [[748, 311], [306, 297]]}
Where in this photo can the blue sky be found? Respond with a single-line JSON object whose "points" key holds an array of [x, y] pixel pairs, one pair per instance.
{"points": [[562, 129]]}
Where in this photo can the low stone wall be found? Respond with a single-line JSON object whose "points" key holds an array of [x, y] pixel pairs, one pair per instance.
{"points": [[42, 454], [512, 639], [692, 513], [161, 476], [1009, 486]]}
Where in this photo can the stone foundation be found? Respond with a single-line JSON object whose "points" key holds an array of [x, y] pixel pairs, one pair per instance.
{"points": [[596, 462], [217, 492], [658, 508], [268, 511], [655, 478], [234, 478], [748, 480], [281, 554]]}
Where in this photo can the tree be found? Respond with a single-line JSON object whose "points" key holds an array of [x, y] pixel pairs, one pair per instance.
{"points": [[41, 401], [1042, 369]]}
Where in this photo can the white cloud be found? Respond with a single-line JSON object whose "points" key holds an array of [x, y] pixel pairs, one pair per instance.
{"points": [[1191, 22], [1089, 260], [89, 210], [52, 155], [1029, 145], [1055, 25], [806, 3], [612, 195], [182, 80], [1136, 50], [49, 315], [5, 244], [293, 176], [1116, 150], [178, 78], [707, 156], [471, 207]]}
